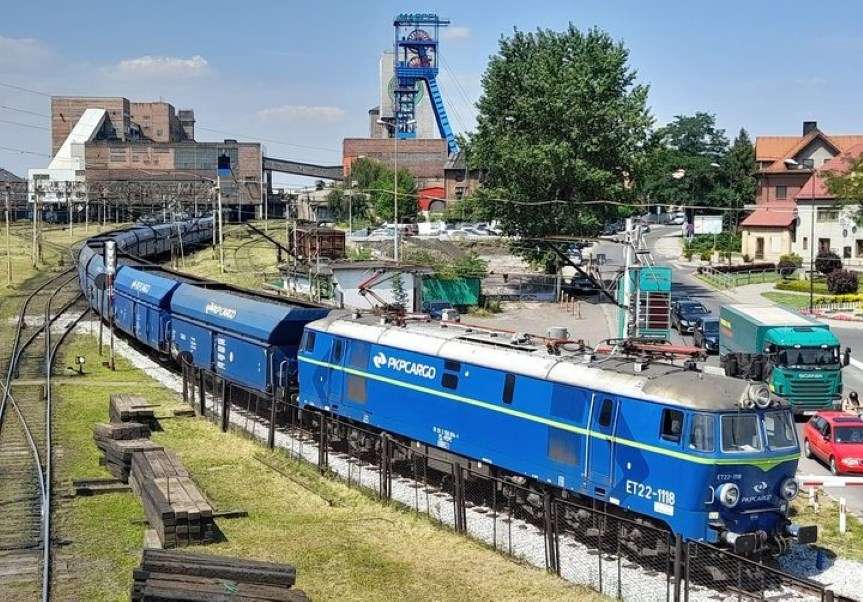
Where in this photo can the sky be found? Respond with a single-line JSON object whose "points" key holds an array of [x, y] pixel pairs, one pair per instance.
{"points": [[301, 76]]}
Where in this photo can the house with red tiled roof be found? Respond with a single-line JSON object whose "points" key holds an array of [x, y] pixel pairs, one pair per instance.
{"points": [[786, 164]]}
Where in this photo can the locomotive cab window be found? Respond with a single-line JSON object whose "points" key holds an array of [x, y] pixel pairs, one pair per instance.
{"points": [[309, 341], [605, 412], [336, 351], [779, 428], [672, 425], [740, 433], [701, 436], [508, 388]]}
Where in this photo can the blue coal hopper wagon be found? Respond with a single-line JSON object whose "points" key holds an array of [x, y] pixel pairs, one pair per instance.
{"points": [[246, 340], [142, 306]]}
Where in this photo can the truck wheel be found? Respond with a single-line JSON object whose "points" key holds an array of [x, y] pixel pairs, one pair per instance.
{"points": [[731, 366], [807, 451]]}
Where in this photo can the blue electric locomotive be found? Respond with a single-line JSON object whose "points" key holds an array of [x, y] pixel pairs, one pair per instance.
{"points": [[711, 457]]}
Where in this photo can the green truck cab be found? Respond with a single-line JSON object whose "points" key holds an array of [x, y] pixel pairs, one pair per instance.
{"points": [[798, 357]]}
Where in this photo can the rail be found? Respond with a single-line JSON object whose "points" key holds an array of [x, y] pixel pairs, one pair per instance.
{"points": [[41, 465]]}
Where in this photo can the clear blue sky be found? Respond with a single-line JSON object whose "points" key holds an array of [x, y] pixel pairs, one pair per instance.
{"points": [[305, 73]]}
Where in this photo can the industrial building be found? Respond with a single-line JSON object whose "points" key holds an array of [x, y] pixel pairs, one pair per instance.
{"points": [[140, 154]]}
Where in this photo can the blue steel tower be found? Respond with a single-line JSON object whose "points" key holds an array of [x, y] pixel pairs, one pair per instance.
{"points": [[416, 48]]}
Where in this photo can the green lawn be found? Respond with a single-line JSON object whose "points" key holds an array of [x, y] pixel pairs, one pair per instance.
{"points": [[789, 299], [355, 549]]}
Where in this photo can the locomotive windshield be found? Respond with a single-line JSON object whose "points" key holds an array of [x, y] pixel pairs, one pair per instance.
{"points": [[779, 428], [740, 433]]}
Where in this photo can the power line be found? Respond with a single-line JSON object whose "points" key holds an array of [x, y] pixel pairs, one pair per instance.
{"points": [[270, 140], [25, 125], [23, 89], [24, 111], [23, 151]]}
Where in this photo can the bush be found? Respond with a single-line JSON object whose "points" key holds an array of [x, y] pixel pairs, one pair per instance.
{"points": [[746, 258], [705, 255], [827, 262], [789, 263], [801, 286], [840, 282]]}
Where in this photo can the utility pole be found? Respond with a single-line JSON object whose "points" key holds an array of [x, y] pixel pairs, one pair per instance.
{"points": [[8, 241], [396, 192], [221, 231], [68, 205], [37, 233], [87, 209], [104, 207]]}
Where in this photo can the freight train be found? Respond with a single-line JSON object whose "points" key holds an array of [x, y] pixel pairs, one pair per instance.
{"points": [[709, 457]]}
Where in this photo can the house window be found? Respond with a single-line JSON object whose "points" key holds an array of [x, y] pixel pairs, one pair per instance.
{"points": [[781, 192], [826, 215], [858, 244], [808, 163], [805, 243], [459, 192], [846, 252], [823, 245], [672, 425]]}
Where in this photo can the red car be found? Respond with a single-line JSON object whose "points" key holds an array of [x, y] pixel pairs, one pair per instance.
{"points": [[835, 438]]}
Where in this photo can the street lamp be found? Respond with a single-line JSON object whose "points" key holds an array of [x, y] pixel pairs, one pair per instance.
{"points": [[394, 126]]}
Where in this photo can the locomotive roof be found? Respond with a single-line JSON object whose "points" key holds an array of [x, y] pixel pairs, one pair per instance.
{"points": [[659, 381]]}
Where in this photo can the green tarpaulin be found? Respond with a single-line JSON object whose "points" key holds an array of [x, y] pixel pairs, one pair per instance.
{"points": [[459, 291]]}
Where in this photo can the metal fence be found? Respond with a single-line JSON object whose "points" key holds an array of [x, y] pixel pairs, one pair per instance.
{"points": [[584, 543], [721, 279]]}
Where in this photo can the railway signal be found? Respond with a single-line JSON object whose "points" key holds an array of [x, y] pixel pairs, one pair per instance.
{"points": [[110, 258]]}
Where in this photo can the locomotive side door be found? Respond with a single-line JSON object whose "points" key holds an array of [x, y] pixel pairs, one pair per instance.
{"points": [[602, 421], [335, 377]]}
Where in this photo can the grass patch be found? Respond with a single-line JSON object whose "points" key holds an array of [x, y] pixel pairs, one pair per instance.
{"points": [[849, 545], [345, 545], [789, 299]]}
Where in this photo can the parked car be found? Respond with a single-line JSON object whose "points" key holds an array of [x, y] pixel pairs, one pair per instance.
{"points": [[678, 298], [706, 334], [611, 228], [835, 438], [436, 309], [574, 255], [686, 314], [677, 220]]}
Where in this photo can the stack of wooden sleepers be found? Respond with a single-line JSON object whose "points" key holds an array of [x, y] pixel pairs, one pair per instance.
{"points": [[125, 407], [119, 441], [171, 575], [175, 507]]}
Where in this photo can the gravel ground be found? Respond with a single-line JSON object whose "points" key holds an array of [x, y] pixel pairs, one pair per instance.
{"points": [[579, 564]]}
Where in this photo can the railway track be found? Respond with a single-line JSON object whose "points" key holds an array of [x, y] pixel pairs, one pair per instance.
{"points": [[25, 438]]}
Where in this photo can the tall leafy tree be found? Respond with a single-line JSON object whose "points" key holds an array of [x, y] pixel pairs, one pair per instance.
{"points": [[683, 164], [561, 118], [740, 169], [846, 184]]}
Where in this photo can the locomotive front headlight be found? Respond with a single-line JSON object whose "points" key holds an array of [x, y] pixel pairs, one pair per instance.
{"points": [[790, 488], [760, 395], [728, 494]]}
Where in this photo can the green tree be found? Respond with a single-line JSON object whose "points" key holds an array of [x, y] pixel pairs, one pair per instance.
{"points": [[347, 203], [561, 121], [382, 199], [683, 164], [740, 169], [847, 185]]}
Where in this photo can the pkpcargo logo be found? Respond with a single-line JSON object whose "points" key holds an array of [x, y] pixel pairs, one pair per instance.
{"points": [[760, 487], [141, 287], [401, 365], [217, 310]]}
